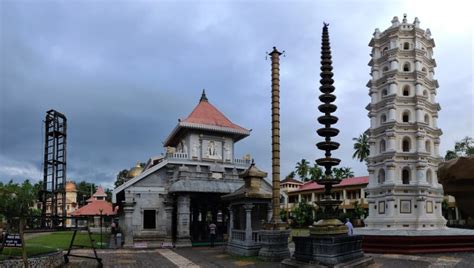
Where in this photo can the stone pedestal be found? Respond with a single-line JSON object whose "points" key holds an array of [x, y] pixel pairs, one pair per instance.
{"points": [[329, 250], [274, 245]]}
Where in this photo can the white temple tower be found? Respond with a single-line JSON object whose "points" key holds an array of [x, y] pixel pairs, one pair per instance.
{"points": [[403, 189]]}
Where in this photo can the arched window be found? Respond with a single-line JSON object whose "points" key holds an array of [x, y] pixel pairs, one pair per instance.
{"points": [[382, 146], [385, 69], [381, 176], [428, 146], [383, 118], [406, 116], [427, 119], [429, 176], [423, 69], [384, 51], [406, 46], [425, 93], [406, 90], [384, 92], [406, 176], [406, 67], [406, 144]]}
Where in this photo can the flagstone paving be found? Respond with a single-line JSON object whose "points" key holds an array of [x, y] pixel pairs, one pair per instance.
{"points": [[217, 258]]}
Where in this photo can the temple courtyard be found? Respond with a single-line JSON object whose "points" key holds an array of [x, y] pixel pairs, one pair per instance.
{"points": [[216, 257]]}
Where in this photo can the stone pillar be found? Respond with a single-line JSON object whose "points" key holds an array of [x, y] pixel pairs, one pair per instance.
{"points": [[169, 222], [231, 222], [393, 65], [417, 65], [420, 174], [183, 238], [128, 225], [418, 89], [390, 178], [392, 88], [248, 222], [419, 143], [392, 114], [419, 115]]}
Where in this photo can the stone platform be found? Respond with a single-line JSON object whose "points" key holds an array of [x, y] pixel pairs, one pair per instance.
{"points": [[416, 241]]}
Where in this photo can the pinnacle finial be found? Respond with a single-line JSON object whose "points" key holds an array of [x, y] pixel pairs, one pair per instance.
{"points": [[203, 96]]}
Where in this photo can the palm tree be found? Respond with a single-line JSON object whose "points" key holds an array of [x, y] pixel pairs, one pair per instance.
{"points": [[315, 172], [291, 175], [302, 169], [361, 147], [343, 173]]}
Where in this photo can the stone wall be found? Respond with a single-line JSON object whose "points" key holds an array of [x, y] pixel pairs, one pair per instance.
{"points": [[50, 260]]}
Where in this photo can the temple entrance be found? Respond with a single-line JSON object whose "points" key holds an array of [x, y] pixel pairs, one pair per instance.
{"points": [[207, 208]]}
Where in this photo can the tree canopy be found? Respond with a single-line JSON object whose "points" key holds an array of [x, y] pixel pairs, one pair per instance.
{"points": [[464, 147]]}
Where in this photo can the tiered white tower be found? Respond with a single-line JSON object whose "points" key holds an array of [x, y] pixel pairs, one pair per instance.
{"points": [[403, 189]]}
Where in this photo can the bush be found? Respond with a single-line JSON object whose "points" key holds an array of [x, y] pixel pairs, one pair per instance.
{"points": [[303, 215]]}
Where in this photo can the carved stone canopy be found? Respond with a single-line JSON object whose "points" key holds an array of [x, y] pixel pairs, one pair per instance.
{"points": [[253, 185]]}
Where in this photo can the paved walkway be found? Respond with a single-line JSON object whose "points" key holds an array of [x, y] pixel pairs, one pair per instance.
{"points": [[216, 257]]}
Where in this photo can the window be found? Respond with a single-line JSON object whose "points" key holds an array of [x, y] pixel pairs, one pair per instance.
{"points": [[381, 176], [382, 146], [385, 69], [428, 146], [406, 176], [384, 51], [406, 145], [384, 92], [406, 67], [406, 46], [406, 117], [423, 69], [406, 90], [383, 118], [149, 219]]}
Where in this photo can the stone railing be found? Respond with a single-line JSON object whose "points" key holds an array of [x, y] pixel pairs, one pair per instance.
{"points": [[238, 235], [178, 155], [256, 236], [238, 161]]}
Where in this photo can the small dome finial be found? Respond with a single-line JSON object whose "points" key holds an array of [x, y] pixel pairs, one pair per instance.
{"points": [[203, 96], [405, 18]]}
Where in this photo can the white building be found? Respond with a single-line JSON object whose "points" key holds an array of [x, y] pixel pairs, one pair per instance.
{"points": [[403, 189]]}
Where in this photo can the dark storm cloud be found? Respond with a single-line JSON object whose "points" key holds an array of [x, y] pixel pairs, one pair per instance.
{"points": [[124, 72]]}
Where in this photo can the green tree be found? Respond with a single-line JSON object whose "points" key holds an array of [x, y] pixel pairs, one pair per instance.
{"points": [[361, 147], [343, 173], [17, 206], [303, 214], [464, 147], [302, 169], [84, 191], [315, 172], [291, 175], [121, 178]]}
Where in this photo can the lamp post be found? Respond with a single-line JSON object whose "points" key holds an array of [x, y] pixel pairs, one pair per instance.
{"points": [[100, 210]]}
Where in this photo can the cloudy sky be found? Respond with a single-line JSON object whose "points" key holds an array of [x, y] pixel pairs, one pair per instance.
{"points": [[123, 72]]}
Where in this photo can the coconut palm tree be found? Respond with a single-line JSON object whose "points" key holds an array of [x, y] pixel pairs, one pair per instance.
{"points": [[343, 172], [315, 172], [302, 169], [361, 147]]}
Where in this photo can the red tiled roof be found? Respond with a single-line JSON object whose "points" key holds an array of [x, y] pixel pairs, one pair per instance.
{"points": [[93, 208], [100, 192], [345, 182], [206, 114]]}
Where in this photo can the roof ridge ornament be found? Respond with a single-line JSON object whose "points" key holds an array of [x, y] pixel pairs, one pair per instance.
{"points": [[203, 96]]}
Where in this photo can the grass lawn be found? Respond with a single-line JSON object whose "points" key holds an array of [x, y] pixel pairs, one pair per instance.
{"points": [[54, 241]]}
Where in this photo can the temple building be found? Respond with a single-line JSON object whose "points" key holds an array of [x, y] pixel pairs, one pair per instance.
{"points": [[175, 196], [403, 190]]}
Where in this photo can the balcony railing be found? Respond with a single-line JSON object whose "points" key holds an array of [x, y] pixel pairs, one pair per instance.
{"points": [[238, 235]]}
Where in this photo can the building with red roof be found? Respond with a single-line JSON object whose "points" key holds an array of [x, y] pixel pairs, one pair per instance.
{"points": [[349, 191], [174, 196], [96, 205]]}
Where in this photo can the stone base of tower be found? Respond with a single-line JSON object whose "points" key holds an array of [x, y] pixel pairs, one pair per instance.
{"points": [[416, 241], [389, 224]]}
